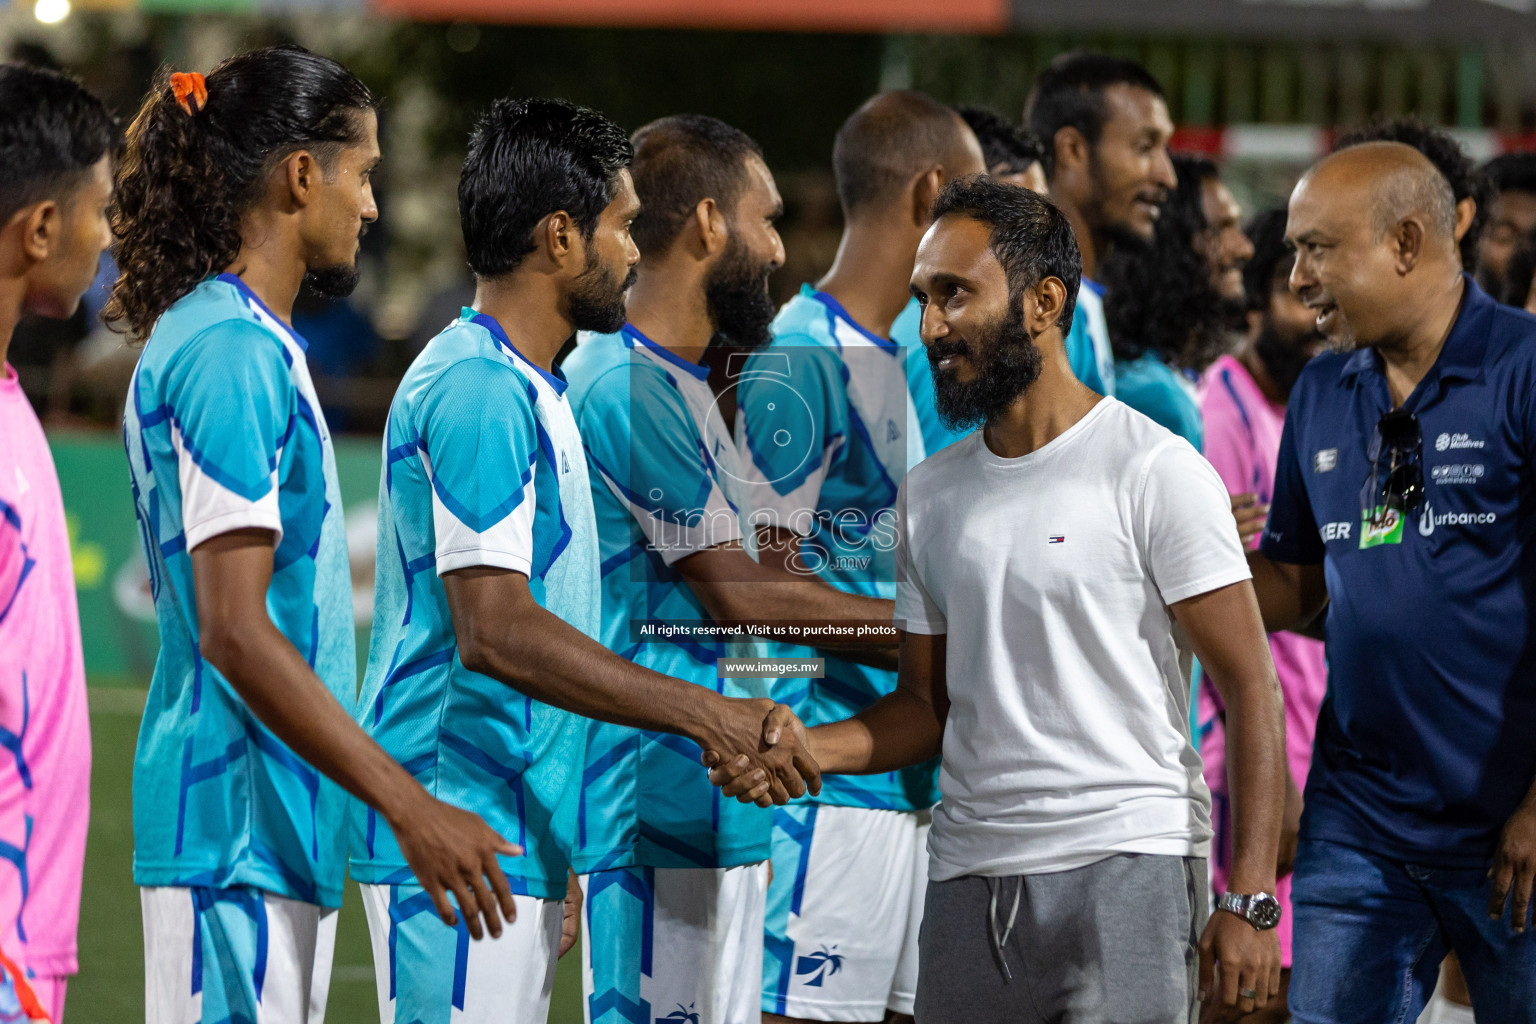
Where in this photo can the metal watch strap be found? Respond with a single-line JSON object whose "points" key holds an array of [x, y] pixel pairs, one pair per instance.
{"points": [[1246, 906]]}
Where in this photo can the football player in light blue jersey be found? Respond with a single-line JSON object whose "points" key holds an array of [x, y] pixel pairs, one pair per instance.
{"points": [[675, 874], [1013, 156], [1105, 128], [828, 434], [483, 656], [233, 190]]}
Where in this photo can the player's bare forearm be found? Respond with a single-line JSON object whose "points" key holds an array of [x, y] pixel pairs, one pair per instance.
{"points": [[903, 728], [504, 633], [736, 590], [231, 574], [1289, 596], [1228, 637], [896, 731]]}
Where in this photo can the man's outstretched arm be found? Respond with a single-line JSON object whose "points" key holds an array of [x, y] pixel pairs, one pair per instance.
{"points": [[448, 849], [504, 633], [903, 728]]}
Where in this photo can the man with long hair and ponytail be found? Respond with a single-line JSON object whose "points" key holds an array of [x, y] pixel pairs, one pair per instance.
{"points": [[56, 145], [233, 191]]}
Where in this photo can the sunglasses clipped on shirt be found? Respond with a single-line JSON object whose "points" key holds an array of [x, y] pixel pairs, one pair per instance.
{"points": [[1396, 483]]}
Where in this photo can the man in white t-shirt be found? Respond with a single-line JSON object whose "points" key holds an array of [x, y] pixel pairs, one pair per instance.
{"points": [[1064, 547]]}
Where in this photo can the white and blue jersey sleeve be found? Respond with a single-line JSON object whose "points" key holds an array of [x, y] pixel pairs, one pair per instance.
{"points": [[228, 429], [666, 484], [479, 457], [483, 467], [223, 432]]}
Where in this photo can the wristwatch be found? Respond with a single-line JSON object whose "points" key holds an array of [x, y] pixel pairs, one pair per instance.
{"points": [[1259, 909]]}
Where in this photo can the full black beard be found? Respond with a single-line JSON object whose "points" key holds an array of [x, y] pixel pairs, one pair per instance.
{"points": [[1007, 362], [334, 282], [597, 297], [736, 296], [1283, 359]]}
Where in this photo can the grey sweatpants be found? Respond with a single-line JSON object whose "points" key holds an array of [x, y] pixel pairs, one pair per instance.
{"points": [[1115, 942]]}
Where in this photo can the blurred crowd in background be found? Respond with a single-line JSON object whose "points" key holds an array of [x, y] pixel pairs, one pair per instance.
{"points": [[1262, 111]]}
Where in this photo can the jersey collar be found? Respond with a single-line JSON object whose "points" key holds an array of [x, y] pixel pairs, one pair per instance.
{"points": [[555, 380], [837, 310], [1461, 358], [633, 336], [251, 297]]}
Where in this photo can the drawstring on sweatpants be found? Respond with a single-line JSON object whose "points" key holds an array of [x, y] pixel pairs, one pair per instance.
{"points": [[1000, 940]]}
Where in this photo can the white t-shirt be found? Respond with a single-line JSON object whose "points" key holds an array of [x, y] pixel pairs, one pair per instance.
{"points": [[1068, 735]]}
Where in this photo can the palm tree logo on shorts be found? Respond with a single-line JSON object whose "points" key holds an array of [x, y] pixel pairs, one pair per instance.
{"points": [[681, 1015], [820, 965]]}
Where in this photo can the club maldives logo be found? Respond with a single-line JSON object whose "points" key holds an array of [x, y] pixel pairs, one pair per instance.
{"points": [[1451, 442], [681, 1015], [820, 965]]}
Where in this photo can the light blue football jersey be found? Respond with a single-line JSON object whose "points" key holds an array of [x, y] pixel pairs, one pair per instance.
{"points": [[223, 432], [827, 432], [907, 332], [482, 467], [667, 482]]}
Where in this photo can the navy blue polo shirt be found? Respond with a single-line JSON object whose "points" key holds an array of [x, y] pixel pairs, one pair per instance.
{"points": [[1426, 743]]}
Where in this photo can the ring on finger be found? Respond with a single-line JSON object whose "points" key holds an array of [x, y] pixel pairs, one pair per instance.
{"points": [[1248, 993]]}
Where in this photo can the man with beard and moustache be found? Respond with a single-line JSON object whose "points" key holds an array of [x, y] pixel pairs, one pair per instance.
{"points": [[667, 863], [233, 190], [485, 656], [1403, 500], [1013, 157], [1105, 128], [1244, 412], [828, 430], [1173, 306], [1046, 561]]}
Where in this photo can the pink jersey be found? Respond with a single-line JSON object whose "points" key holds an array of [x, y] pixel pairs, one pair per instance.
{"points": [[45, 740], [1242, 440]]}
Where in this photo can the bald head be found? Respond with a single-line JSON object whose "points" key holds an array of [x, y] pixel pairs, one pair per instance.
{"points": [[1395, 183], [1374, 229], [892, 139]]}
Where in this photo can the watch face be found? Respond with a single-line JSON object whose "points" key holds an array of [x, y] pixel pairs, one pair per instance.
{"points": [[1264, 913]]}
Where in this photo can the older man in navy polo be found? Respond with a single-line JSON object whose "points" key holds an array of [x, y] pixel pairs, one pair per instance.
{"points": [[1405, 501]]}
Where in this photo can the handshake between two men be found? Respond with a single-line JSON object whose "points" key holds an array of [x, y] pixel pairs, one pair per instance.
{"points": [[762, 755]]}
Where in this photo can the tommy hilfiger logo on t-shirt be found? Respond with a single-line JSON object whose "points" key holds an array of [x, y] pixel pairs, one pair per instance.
{"points": [[1056, 538]]}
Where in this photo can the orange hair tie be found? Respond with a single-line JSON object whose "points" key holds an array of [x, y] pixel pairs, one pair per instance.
{"points": [[190, 90]]}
